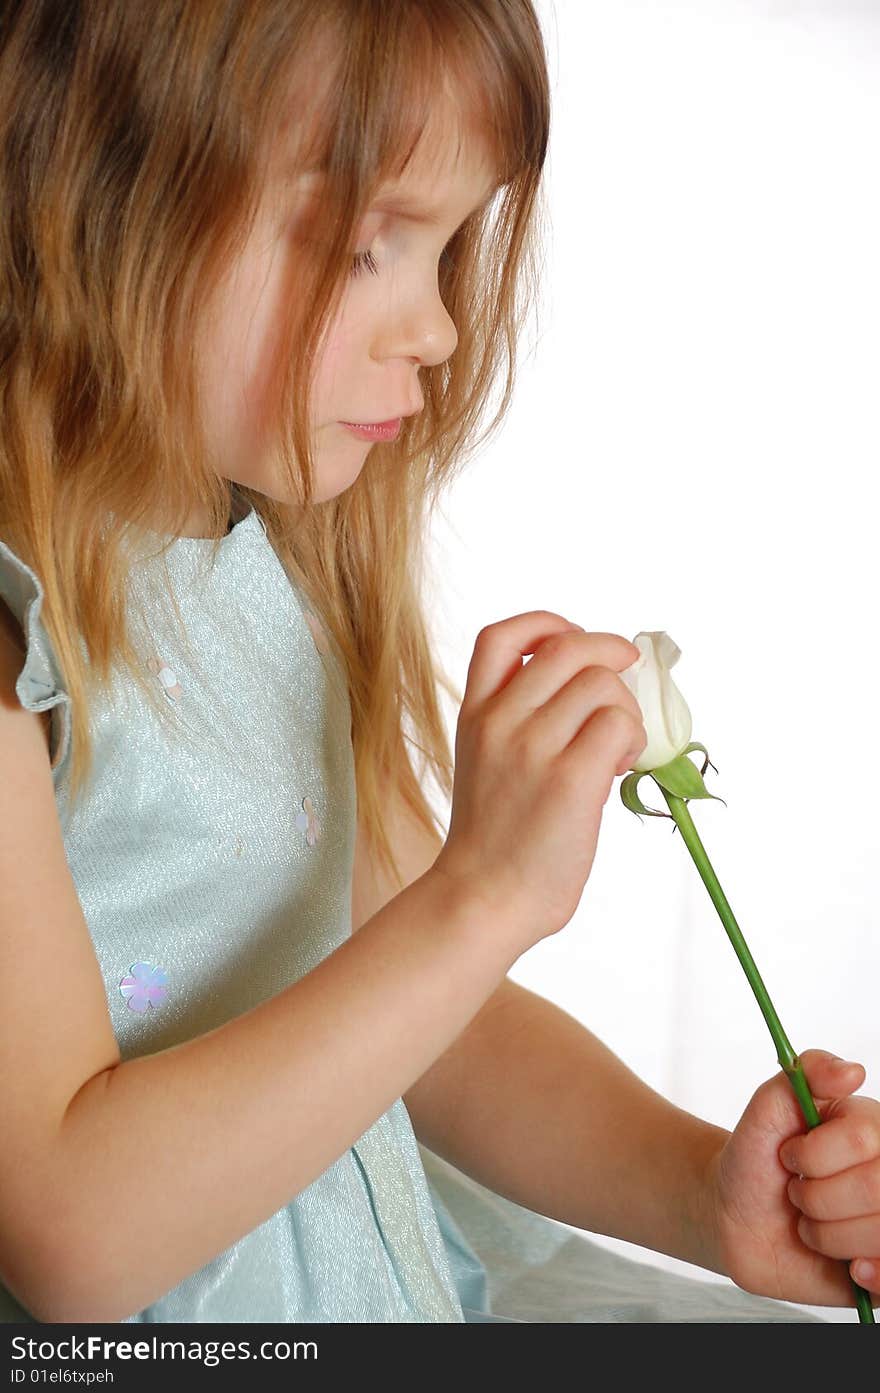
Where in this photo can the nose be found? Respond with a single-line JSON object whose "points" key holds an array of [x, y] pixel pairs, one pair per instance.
{"points": [[417, 325]]}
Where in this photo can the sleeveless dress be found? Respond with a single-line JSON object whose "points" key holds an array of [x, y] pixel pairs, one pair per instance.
{"points": [[213, 865]]}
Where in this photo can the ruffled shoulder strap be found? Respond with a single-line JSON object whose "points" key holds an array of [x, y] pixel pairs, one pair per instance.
{"points": [[39, 685]]}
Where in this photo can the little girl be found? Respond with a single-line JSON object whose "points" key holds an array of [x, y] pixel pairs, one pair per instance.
{"points": [[254, 301]]}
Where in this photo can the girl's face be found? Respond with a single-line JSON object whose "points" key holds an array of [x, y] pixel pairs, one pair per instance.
{"points": [[391, 323]]}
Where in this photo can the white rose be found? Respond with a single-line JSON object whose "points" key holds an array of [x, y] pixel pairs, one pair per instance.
{"points": [[665, 713]]}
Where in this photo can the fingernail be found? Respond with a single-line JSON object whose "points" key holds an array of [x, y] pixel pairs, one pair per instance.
{"points": [[865, 1271], [839, 1064]]}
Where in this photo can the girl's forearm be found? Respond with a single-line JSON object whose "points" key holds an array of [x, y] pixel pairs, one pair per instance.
{"points": [[553, 1120], [167, 1159]]}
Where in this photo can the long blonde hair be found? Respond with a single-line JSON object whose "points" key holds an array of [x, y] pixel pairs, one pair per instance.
{"points": [[136, 142]]}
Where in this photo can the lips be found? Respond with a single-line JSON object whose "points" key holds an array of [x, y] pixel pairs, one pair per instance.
{"points": [[387, 431], [374, 425]]}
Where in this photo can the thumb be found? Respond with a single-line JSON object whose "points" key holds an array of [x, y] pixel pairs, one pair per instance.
{"points": [[828, 1078]]}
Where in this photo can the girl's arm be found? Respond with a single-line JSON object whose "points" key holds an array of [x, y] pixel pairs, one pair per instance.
{"points": [[552, 1119], [535, 1107], [168, 1159], [119, 1179]]}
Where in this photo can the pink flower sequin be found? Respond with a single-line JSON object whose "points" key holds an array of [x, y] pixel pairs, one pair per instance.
{"points": [[307, 821], [167, 676], [145, 986]]}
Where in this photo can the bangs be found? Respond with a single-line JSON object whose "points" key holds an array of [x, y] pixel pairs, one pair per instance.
{"points": [[427, 78]]}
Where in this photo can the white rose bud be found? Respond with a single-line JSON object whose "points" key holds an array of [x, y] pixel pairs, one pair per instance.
{"points": [[665, 713]]}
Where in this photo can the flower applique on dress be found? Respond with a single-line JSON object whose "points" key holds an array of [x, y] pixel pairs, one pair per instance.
{"points": [[167, 676], [318, 632], [145, 986], [307, 821]]}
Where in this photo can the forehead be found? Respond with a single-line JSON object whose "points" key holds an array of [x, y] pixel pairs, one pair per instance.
{"points": [[450, 165], [452, 150], [425, 198], [432, 184]]}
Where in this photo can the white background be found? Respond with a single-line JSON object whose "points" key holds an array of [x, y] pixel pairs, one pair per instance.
{"points": [[692, 447]]}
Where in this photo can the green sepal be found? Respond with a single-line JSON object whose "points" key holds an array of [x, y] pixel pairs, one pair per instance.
{"points": [[681, 777], [695, 745], [630, 796]]}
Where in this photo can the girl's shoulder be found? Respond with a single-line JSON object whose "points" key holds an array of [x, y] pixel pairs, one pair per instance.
{"points": [[13, 644], [36, 681]]}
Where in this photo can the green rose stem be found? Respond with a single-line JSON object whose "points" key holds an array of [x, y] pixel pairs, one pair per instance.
{"points": [[784, 1052]]}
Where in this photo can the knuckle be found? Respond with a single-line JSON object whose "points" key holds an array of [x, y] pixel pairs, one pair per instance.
{"points": [[616, 720], [606, 680], [599, 681], [606, 676], [864, 1141], [558, 643]]}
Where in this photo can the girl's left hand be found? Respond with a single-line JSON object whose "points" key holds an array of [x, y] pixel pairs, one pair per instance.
{"points": [[783, 1236]]}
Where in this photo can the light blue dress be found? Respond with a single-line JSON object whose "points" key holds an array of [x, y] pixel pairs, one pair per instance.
{"points": [[213, 862]]}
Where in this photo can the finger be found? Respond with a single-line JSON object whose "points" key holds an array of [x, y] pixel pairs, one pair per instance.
{"points": [[500, 649], [584, 714], [843, 1237], [867, 1274], [848, 1136], [569, 657], [557, 720], [829, 1076], [851, 1194]]}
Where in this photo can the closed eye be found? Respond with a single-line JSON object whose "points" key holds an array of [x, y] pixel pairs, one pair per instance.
{"points": [[365, 261]]}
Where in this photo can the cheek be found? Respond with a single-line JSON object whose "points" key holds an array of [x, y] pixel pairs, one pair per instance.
{"points": [[218, 372], [252, 334], [334, 367], [236, 398]]}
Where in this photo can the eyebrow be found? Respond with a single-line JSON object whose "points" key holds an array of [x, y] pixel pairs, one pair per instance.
{"points": [[426, 214]]}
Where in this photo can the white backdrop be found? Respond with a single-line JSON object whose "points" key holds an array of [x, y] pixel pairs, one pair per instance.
{"points": [[692, 447]]}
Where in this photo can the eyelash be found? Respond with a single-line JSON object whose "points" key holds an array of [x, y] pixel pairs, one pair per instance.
{"points": [[366, 261]]}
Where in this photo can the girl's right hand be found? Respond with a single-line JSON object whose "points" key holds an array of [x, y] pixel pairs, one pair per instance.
{"points": [[537, 748]]}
